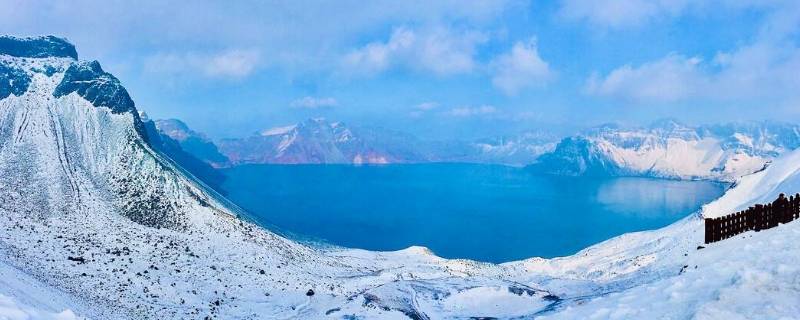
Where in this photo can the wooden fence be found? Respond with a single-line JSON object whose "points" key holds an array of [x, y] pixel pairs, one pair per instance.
{"points": [[758, 217]]}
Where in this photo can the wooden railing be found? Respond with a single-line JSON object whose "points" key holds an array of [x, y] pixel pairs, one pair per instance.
{"points": [[758, 217]]}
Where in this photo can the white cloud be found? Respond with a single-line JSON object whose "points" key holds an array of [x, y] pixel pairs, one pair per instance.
{"points": [[669, 79], [376, 56], [440, 51], [782, 15], [621, 13], [425, 106], [520, 68], [231, 64], [471, 111], [762, 71], [314, 103]]}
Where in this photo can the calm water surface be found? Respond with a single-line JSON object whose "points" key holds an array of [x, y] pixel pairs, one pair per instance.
{"points": [[481, 212]]}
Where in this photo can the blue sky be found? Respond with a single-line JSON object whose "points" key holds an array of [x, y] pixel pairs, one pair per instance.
{"points": [[437, 68]]}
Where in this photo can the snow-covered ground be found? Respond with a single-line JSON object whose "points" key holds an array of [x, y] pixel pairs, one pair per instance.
{"points": [[23, 297], [96, 224]]}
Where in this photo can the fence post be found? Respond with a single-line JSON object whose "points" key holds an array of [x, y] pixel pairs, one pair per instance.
{"points": [[780, 206], [796, 206], [740, 222], [758, 217], [727, 229], [771, 211], [768, 215], [709, 230]]}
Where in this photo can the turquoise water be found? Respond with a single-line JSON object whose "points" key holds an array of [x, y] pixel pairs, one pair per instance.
{"points": [[481, 212]]}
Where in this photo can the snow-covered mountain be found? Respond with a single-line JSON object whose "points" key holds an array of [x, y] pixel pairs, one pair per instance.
{"points": [[321, 141], [668, 149], [97, 223], [518, 150]]}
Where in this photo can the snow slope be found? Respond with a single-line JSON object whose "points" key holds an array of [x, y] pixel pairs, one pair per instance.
{"points": [[23, 297], [783, 176], [93, 216], [754, 275]]}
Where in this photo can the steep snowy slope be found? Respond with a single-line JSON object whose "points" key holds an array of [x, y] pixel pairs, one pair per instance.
{"points": [[670, 150], [90, 210], [23, 297]]}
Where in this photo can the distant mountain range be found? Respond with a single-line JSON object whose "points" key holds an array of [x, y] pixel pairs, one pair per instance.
{"points": [[321, 141], [668, 149], [664, 149]]}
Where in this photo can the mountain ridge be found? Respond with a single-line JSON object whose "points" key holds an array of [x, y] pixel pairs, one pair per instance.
{"points": [[668, 149], [317, 140]]}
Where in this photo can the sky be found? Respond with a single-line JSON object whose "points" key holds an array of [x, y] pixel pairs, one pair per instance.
{"points": [[439, 69]]}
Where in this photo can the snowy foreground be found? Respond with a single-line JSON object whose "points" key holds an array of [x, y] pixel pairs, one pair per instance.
{"points": [[95, 224]]}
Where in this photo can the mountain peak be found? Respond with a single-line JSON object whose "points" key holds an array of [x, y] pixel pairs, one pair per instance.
{"points": [[171, 125], [100, 88], [37, 47]]}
